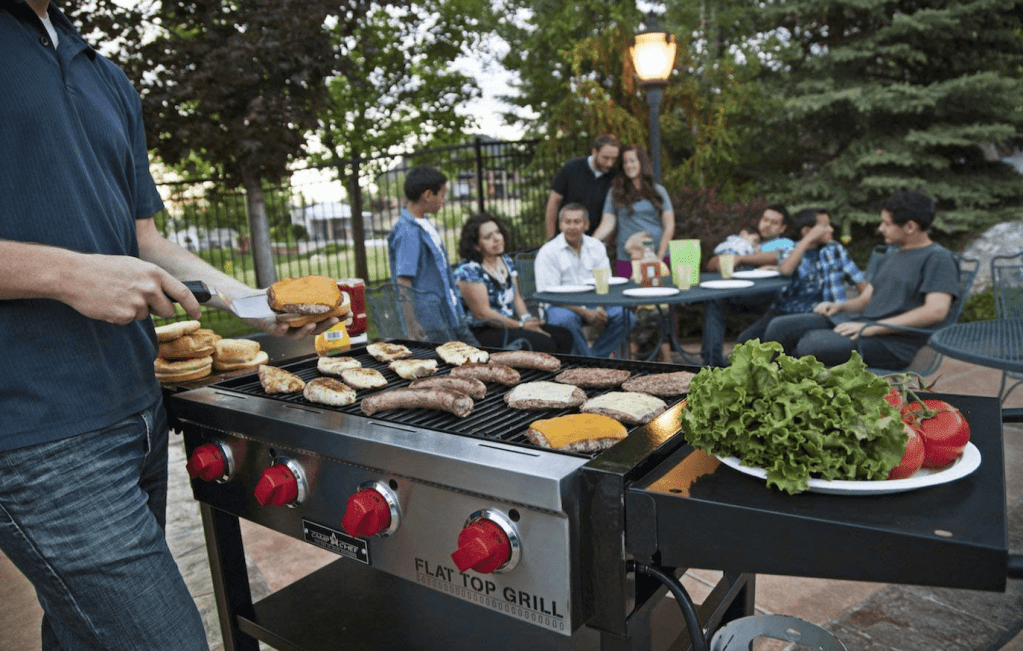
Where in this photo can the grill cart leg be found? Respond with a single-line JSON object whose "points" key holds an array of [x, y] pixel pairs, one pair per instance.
{"points": [[230, 577]]}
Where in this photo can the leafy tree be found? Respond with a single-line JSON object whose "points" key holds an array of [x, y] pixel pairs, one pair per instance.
{"points": [[886, 95], [396, 88], [237, 84]]}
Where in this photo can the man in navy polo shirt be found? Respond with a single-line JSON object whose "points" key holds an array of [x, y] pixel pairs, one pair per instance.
{"points": [[83, 442], [584, 180]]}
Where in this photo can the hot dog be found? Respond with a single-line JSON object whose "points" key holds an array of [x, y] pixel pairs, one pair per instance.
{"points": [[499, 373], [448, 400], [526, 359], [473, 388]]}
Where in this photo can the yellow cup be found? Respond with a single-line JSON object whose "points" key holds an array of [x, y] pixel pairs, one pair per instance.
{"points": [[601, 278], [682, 273], [727, 264]]}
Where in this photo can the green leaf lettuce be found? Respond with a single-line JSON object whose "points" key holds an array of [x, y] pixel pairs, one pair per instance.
{"points": [[795, 418]]}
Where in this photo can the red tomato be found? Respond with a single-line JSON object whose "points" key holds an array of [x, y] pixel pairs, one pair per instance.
{"points": [[913, 458], [945, 433], [894, 398]]}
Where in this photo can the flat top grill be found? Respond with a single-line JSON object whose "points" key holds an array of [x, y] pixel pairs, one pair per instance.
{"points": [[491, 417]]}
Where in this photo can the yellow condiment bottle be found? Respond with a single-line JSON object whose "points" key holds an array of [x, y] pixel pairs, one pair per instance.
{"points": [[333, 341]]}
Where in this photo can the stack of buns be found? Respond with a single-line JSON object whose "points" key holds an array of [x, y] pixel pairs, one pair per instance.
{"points": [[189, 352], [309, 299], [185, 351]]}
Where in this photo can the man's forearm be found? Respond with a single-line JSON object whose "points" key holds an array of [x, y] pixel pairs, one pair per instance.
{"points": [[758, 259], [34, 270], [551, 214]]}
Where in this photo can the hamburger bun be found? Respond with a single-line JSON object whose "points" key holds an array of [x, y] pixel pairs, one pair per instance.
{"points": [[235, 350], [172, 331], [198, 344], [260, 358], [182, 370]]}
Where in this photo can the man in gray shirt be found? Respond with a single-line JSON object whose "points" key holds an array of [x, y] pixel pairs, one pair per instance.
{"points": [[914, 285]]}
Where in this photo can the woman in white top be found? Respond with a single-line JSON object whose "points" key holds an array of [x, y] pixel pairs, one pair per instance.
{"points": [[636, 203]]}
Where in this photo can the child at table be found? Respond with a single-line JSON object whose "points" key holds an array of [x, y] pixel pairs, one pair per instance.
{"points": [[745, 243], [648, 319]]}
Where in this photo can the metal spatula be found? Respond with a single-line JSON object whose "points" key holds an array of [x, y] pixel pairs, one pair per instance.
{"points": [[246, 307]]}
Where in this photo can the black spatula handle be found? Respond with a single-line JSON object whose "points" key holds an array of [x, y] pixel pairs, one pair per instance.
{"points": [[199, 290]]}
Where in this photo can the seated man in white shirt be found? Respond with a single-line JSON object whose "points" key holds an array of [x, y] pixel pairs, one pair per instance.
{"points": [[569, 259]]}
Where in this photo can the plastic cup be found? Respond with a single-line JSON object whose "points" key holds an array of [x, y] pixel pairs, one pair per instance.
{"points": [[727, 265], [682, 273], [601, 278]]}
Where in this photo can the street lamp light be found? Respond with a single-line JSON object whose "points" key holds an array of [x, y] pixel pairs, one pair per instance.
{"points": [[653, 56]]}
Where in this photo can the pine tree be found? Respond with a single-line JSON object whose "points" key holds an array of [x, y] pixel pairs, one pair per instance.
{"points": [[885, 95]]}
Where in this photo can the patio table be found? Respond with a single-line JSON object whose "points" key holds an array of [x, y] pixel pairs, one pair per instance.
{"points": [[695, 294], [995, 344]]}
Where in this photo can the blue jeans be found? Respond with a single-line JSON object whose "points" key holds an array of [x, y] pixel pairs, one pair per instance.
{"points": [[615, 331], [82, 518], [813, 334]]}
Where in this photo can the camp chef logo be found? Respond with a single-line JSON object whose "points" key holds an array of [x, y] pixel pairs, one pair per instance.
{"points": [[533, 608], [335, 541]]}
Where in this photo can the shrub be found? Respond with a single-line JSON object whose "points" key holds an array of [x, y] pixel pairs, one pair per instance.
{"points": [[700, 216]]}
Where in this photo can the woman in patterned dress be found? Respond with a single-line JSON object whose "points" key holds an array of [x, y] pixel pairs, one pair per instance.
{"points": [[488, 282]]}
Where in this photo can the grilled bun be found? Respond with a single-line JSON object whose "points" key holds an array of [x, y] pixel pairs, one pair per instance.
{"points": [[235, 350], [259, 358], [182, 370], [177, 329], [201, 343]]}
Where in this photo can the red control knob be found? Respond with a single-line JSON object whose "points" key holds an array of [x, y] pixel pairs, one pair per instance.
{"points": [[207, 462], [482, 546], [366, 514], [277, 486]]}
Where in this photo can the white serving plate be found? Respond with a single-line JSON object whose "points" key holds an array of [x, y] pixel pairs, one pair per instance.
{"points": [[569, 289], [726, 284], [757, 273], [968, 461], [650, 292]]}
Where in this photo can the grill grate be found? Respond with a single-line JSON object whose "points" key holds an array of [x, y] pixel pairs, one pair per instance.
{"points": [[490, 419]]}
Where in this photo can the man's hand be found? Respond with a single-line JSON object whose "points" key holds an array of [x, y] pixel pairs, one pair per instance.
{"points": [[852, 329], [597, 317], [534, 324], [827, 308], [121, 289]]}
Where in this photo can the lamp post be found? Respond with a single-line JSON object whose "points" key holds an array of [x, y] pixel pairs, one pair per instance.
{"points": [[653, 56]]}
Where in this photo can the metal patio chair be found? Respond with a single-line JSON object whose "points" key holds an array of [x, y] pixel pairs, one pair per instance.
{"points": [[1007, 283], [524, 261], [927, 360], [401, 312]]}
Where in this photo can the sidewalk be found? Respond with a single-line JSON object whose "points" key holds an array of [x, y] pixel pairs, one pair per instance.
{"points": [[865, 616]]}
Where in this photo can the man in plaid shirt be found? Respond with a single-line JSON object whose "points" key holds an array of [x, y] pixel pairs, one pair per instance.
{"points": [[819, 267]]}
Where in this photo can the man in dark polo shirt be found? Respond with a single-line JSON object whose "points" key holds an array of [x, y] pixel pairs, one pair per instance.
{"points": [[584, 180], [83, 440]]}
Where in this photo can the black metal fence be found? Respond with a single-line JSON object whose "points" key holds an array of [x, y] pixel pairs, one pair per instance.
{"points": [[326, 217]]}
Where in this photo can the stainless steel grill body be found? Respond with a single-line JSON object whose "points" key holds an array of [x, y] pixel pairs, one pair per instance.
{"points": [[439, 479]]}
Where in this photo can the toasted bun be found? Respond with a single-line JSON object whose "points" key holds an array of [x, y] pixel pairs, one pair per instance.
{"points": [[197, 344], [576, 432], [388, 352], [334, 365], [306, 295], [341, 311], [182, 370], [231, 351], [260, 358], [172, 331]]}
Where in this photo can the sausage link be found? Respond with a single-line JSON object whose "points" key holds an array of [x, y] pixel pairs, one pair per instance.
{"points": [[448, 400], [500, 373], [473, 388]]}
